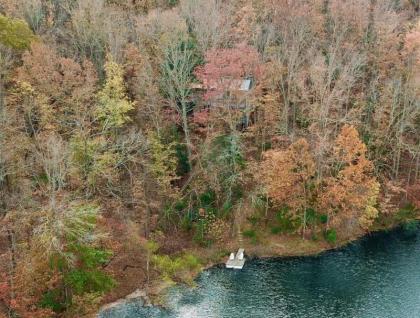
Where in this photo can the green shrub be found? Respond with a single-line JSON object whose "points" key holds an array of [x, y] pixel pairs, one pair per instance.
{"points": [[183, 163], [323, 218], [171, 135], [187, 220], [172, 3], [199, 232], [79, 268], [252, 235], [276, 230], [285, 223], [208, 198], [173, 267], [254, 219], [331, 236], [87, 277], [311, 216], [190, 261], [406, 213], [88, 281], [53, 299]]}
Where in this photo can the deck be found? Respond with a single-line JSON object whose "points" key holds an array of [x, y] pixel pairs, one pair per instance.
{"points": [[236, 261]]}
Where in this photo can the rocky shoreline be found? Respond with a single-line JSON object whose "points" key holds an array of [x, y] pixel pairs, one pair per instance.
{"points": [[138, 298]]}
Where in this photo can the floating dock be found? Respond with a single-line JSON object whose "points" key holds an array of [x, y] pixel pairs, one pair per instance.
{"points": [[236, 261]]}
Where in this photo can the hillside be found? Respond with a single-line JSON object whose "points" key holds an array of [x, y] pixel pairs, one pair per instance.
{"points": [[143, 140]]}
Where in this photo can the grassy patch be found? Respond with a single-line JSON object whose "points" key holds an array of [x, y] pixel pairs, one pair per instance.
{"points": [[252, 235], [330, 236], [177, 268]]}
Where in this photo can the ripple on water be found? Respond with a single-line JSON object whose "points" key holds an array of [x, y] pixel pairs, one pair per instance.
{"points": [[378, 276]]}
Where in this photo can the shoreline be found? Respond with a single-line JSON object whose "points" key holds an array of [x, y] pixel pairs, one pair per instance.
{"points": [[152, 296]]}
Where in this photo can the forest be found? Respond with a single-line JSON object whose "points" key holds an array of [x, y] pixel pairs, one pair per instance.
{"points": [[141, 140]]}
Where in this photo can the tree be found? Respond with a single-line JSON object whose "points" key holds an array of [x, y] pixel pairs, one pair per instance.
{"points": [[180, 61], [59, 89], [114, 105], [64, 258], [15, 33], [210, 21], [286, 176], [224, 162], [95, 27], [143, 86], [350, 195], [163, 161], [6, 61], [225, 67]]}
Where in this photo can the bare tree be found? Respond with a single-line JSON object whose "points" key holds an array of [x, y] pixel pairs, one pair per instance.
{"points": [[209, 20], [177, 69], [52, 153]]}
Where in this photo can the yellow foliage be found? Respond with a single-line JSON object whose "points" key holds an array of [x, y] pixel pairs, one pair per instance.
{"points": [[36, 105], [164, 161], [114, 104], [104, 166], [371, 212], [15, 33]]}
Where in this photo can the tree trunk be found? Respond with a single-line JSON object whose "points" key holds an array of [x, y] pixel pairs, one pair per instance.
{"points": [[148, 212], [12, 247], [186, 131]]}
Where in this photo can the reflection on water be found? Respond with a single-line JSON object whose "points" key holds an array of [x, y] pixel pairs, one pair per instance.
{"points": [[378, 276]]}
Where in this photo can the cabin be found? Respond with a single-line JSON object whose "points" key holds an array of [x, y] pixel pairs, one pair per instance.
{"points": [[233, 95]]}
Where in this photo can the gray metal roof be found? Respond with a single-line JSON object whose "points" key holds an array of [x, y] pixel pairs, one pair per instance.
{"points": [[245, 85]]}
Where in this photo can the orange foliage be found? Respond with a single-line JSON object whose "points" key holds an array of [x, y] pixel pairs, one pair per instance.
{"points": [[59, 84], [285, 174], [413, 194], [352, 193]]}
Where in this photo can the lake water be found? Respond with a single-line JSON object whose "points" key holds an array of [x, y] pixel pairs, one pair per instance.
{"points": [[375, 277]]}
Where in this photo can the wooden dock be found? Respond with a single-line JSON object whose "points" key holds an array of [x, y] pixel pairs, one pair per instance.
{"points": [[236, 261]]}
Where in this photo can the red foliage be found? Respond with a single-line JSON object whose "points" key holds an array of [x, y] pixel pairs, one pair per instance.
{"points": [[201, 118], [21, 305], [224, 68], [4, 289], [172, 116]]}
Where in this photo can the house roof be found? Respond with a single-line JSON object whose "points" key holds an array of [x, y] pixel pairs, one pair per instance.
{"points": [[245, 85]]}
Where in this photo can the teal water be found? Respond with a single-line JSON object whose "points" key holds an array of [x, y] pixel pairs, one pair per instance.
{"points": [[375, 277]]}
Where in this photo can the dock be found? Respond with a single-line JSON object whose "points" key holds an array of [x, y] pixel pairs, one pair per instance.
{"points": [[236, 261]]}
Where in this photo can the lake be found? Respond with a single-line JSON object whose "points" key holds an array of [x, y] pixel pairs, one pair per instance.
{"points": [[377, 276]]}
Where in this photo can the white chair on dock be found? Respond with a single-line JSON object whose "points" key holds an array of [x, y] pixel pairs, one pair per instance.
{"points": [[236, 261]]}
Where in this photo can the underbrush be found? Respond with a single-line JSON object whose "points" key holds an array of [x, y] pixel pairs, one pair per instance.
{"points": [[177, 268]]}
